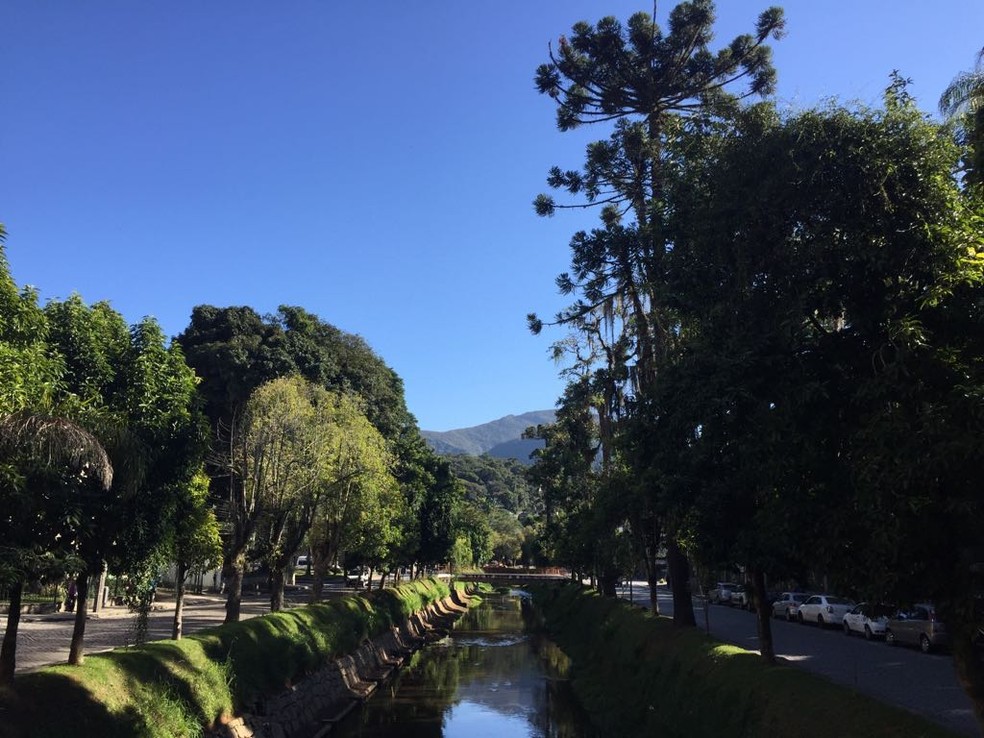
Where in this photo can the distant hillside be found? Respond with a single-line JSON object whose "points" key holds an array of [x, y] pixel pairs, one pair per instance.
{"points": [[501, 438]]}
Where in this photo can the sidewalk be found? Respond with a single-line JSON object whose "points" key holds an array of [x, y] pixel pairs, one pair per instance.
{"points": [[45, 639]]}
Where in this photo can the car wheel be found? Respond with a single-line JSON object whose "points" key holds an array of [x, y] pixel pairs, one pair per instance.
{"points": [[820, 623], [924, 645], [867, 633], [889, 637], [847, 629]]}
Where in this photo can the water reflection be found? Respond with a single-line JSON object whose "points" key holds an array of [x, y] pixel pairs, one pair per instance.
{"points": [[490, 678]]}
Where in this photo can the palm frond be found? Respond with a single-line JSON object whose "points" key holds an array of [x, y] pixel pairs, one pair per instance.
{"points": [[56, 441]]}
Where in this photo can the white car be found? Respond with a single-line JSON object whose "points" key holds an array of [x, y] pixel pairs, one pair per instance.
{"points": [[867, 620], [824, 610]]}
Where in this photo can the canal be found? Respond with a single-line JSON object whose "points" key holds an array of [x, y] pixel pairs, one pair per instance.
{"points": [[491, 677]]}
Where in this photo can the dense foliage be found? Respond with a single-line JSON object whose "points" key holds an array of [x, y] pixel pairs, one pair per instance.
{"points": [[275, 435], [775, 356], [492, 482]]}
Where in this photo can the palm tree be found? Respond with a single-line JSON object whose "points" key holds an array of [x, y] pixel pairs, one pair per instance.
{"points": [[963, 103], [35, 446]]}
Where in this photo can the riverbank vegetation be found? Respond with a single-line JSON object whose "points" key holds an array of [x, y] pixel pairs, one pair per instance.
{"points": [[167, 689], [242, 443], [773, 346], [640, 675]]}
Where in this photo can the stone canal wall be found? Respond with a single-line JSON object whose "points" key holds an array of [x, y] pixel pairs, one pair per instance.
{"points": [[312, 706]]}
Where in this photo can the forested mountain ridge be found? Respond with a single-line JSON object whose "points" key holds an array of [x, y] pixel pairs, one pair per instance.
{"points": [[494, 482], [501, 438]]}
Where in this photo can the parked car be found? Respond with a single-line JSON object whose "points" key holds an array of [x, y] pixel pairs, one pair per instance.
{"points": [[787, 604], [868, 620], [721, 593], [917, 626], [740, 597], [824, 610]]}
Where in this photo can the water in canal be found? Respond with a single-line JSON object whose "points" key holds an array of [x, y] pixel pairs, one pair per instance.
{"points": [[489, 678]]}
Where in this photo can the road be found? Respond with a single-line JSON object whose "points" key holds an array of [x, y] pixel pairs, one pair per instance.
{"points": [[923, 683]]}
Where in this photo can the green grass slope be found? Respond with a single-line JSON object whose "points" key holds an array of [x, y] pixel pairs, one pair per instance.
{"points": [[639, 676], [169, 689]]}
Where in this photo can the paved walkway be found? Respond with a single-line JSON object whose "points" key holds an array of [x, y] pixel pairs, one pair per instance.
{"points": [[45, 639]]}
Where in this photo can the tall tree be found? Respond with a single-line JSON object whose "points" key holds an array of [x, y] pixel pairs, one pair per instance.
{"points": [[196, 543], [235, 350], [646, 81], [437, 515], [139, 393], [269, 456], [830, 271], [46, 456]]}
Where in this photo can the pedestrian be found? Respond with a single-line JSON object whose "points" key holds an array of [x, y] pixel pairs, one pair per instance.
{"points": [[73, 593]]}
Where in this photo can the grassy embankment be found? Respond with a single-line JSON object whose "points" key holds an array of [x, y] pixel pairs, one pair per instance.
{"points": [[176, 688], [639, 676]]}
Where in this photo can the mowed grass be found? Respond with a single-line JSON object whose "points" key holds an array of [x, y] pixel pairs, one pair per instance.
{"points": [[639, 676], [179, 688]]}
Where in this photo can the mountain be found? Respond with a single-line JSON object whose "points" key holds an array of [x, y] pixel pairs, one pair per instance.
{"points": [[501, 438]]}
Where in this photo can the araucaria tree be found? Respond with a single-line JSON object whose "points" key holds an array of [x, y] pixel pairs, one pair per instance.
{"points": [[791, 308], [650, 84]]}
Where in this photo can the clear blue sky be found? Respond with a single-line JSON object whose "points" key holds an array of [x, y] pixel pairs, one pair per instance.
{"points": [[373, 162]]}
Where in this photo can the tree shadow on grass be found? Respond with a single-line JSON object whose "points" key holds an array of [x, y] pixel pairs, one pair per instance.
{"points": [[48, 704]]}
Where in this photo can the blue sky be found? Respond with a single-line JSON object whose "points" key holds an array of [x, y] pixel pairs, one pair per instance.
{"points": [[373, 162]]}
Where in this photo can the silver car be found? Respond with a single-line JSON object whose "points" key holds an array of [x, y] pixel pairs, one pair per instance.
{"points": [[787, 605], [918, 626], [722, 593], [868, 620]]}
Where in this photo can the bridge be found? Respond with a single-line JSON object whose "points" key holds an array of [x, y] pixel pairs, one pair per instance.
{"points": [[512, 576]]}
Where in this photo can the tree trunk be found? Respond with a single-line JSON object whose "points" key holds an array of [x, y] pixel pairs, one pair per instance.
{"points": [[382, 580], [608, 581], [763, 617], [969, 664], [179, 596], [8, 651], [679, 571], [650, 537], [652, 576], [97, 598], [277, 580], [317, 583], [233, 574], [76, 653]]}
